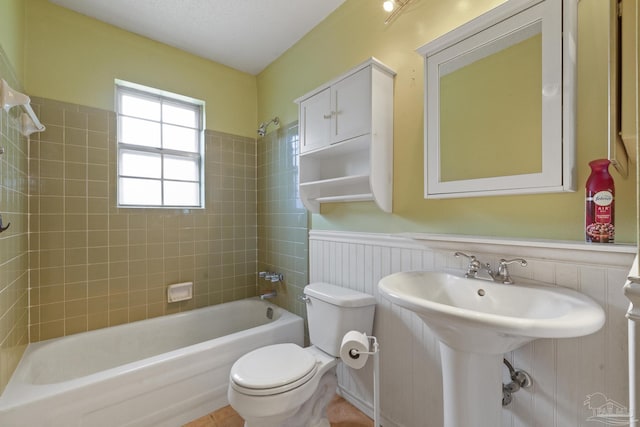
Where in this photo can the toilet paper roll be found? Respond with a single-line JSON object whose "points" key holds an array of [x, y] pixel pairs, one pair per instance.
{"points": [[352, 343]]}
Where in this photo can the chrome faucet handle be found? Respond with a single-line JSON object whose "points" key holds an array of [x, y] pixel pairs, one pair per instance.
{"points": [[474, 264], [276, 277], [503, 270], [271, 276], [459, 254]]}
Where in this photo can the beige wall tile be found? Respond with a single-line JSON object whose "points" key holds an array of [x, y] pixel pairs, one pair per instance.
{"points": [[51, 169], [118, 317], [76, 308], [76, 291], [50, 151], [74, 136], [75, 119], [98, 271], [53, 134], [51, 312], [74, 325], [50, 330], [98, 288], [75, 188], [99, 265], [52, 294], [97, 320]]}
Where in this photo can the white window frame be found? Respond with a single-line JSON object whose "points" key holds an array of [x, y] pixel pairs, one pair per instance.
{"points": [[123, 87]]}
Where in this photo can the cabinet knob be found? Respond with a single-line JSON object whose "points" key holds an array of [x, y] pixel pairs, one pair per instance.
{"points": [[327, 116]]}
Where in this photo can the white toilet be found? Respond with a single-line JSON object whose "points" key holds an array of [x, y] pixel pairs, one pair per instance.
{"points": [[285, 385]]}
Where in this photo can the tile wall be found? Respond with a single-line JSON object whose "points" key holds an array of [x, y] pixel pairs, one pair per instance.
{"points": [[14, 278], [282, 220], [94, 265]]}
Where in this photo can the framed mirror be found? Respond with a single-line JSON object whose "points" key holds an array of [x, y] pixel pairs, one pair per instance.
{"points": [[499, 102]]}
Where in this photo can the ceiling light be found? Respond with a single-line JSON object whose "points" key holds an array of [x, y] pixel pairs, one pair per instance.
{"points": [[395, 7]]}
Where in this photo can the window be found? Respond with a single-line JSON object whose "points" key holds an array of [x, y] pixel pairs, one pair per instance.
{"points": [[160, 146]]}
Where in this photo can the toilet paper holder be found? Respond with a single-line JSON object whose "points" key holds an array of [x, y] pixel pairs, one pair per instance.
{"points": [[373, 349], [373, 344]]}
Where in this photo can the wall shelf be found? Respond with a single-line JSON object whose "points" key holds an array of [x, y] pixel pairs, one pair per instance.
{"points": [[346, 139]]}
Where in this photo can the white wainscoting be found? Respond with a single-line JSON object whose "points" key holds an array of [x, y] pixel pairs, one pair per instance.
{"points": [[564, 371]]}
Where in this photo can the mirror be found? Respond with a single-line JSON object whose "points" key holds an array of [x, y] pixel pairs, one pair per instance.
{"points": [[499, 104]]}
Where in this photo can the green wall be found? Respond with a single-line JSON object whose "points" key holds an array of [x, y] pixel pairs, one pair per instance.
{"points": [[357, 31], [74, 58]]}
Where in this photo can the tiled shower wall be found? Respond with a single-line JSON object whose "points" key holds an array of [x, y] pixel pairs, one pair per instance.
{"points": [[94, 264], [282, 220], [14, 277]]}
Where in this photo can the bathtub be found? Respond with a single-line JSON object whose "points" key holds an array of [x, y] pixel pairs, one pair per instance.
{"points": [[164, 371]]}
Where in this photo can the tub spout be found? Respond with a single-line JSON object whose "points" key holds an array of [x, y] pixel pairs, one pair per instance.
{"points": [[270, 294]]}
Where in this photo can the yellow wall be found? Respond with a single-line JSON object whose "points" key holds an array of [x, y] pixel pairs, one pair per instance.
{"points": [[12, 34], [355, 32], [73, 58]]}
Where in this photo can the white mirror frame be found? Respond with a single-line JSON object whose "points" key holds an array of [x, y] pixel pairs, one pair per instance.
{"points": [[559, 28]]}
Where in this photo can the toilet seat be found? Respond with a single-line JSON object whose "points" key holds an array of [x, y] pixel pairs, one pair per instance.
{"points": [[273, 370]]}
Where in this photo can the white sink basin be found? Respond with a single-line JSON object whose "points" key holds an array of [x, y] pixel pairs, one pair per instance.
{"points": [[482, 316]]}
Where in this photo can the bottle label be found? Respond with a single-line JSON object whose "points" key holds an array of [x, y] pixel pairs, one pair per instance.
{"points": [[603, 198]]}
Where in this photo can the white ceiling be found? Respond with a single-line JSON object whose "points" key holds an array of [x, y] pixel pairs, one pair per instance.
{"points": [[243, 34]]}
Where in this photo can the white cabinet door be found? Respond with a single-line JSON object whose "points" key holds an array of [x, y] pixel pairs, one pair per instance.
{"points": [[315, 121], [351, 102]]}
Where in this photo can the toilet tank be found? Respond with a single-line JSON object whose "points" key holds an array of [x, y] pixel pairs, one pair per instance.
{"points": [[332, 311]]}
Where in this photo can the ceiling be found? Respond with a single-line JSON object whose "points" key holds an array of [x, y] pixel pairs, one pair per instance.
{"points": [[243, 34]]}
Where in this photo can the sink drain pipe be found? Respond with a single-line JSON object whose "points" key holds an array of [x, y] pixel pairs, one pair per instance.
{"points": [[519, 379]]}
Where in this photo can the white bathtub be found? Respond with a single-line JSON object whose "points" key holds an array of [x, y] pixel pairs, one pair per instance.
{"points": [[158, 372]]}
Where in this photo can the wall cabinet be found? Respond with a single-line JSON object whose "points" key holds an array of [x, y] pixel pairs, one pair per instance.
{"points": [[346, 138]]}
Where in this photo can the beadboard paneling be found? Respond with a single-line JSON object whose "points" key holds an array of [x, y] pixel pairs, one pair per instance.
{"points": [[564, 371]]}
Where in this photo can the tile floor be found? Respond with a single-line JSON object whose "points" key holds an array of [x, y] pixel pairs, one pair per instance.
{"points": [[340, 413]]}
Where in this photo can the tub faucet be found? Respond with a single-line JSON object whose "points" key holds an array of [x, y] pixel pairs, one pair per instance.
{"points": [[270, 294]]}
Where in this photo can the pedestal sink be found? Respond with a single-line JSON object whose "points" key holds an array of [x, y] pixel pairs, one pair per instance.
{"points": [[477, 321]]}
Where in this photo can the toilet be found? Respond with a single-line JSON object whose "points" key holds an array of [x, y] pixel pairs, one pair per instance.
{"points": [[285, 385]]}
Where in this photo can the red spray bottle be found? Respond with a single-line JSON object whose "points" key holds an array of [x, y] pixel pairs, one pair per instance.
{"points": [[600, 203]]}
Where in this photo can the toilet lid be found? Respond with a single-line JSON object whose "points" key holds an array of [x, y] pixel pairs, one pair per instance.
{"points": [[274, 368]]}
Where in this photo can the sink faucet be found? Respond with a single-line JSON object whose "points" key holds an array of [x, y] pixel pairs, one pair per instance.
{"points": [[501, 275], [474, 265]]}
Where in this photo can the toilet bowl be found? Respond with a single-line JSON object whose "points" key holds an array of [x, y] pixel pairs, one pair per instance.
{"points": [[285, 385], [272, 384]]}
